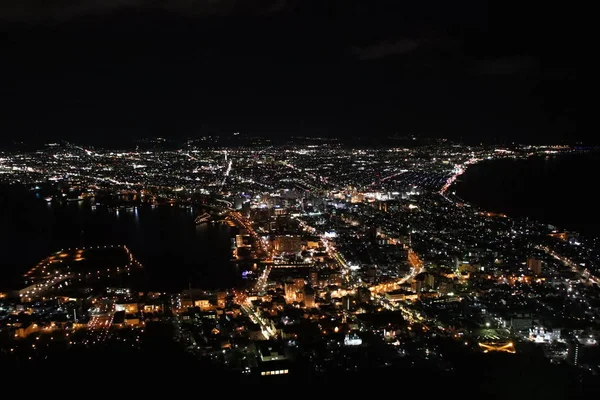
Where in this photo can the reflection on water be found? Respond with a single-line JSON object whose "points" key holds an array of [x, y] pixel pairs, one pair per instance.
{"points": [[165, 239]]}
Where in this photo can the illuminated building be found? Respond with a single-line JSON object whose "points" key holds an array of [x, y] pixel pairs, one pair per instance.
{"points": [[130, 308], [541, 335], [357, 198], [534, 265], [131, 320], [309, 297], [221, 298], [314, 278], [347, 302], [429, 281], [150, 308], [24, 331], [416, 285], [272, 361], [400, 295], [312, 244], [203, 304], [291, 288], [363, 294], [446, 287], [238, 203], [352, 339], [288, 244], [280, 211], [334, 278], [465, 266], [242, 240]]}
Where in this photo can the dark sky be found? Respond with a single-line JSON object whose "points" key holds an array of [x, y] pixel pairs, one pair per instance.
{"points": [[133, 68]]}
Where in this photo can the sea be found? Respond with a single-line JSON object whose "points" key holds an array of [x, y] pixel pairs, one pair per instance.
{"points": [[175, 252], [555, 189]]}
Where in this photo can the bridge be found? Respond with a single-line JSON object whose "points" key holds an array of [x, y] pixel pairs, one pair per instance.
{"points": [[227, 203], [202, 218]]}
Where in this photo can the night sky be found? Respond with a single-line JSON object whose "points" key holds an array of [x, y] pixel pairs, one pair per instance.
{"points": [[122, 69]]}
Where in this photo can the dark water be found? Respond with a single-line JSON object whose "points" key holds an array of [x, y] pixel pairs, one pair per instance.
{"points": [[558, 190], [165, 240]]}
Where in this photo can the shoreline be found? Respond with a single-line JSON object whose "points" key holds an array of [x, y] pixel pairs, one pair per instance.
{"points": [[454, 197]]}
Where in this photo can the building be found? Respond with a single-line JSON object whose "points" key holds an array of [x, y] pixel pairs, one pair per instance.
{"points": [[242, 240], [309, 297], [347, 302], [132, 320], [352, 339], [154, 308], [400, 295], [291, 289], [417, 284], [446, 287], [221, 299], [335, 278], [429, 281], [363, 295], [130, 308], [523, 322], [312, 244], [314, 278], [238, 203], [26, 330], [288, 244], [574, 354], [272, 360], [539, 334], [203, 304], [534, 265]]}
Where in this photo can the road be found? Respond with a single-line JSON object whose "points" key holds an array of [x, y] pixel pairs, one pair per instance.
{"points": [[246, 224], [266, 329], [261, 282], [584, 274], [227, 172], [101, 320], [458, 171], [416, 267], [409, 314]]}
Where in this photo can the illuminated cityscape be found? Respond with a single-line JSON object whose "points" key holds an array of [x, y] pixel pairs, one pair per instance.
{"points": [[349, 259], [208, 194]]}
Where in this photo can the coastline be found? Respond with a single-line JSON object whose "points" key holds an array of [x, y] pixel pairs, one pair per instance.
{"points": [[175, 252], [523, 187]]}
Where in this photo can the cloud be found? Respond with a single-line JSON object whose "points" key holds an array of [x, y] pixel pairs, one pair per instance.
{"points": [[61, 10], [387, 48], [40, 10], [506, 65]]}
